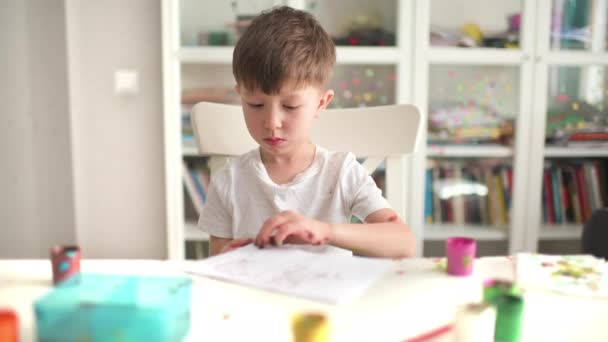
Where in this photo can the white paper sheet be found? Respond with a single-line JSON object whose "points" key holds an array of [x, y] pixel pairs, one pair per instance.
{"points": [[326, 277]]}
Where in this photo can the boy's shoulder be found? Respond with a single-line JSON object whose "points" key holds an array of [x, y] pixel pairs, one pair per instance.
{"points": [[336, 158], [235, 165]]}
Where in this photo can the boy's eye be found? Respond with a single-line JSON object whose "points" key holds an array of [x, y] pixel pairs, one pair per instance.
{"points": [[255, 105], [290, 107]]}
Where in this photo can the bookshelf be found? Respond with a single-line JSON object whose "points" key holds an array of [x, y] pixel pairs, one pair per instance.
{"points": [[573, 73], [542, 69], [519, 85]]}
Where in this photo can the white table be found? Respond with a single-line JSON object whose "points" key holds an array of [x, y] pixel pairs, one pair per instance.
{"points": [[410, 301]]}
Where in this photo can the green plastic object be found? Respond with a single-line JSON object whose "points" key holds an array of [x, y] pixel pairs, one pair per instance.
{"points": [[494, 289], [106, 307], [509, 318]]}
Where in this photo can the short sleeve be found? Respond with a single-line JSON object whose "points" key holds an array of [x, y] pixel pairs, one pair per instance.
{"points": [[215, 218], [362, 194]]}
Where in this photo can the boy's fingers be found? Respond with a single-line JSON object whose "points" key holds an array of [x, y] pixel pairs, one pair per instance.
{"points": [[283, 232], [268, 228]]}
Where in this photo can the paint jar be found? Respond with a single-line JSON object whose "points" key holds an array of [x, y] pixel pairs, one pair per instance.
{"points": [[310, 327], [9, 326], [65, 261], [460, 253], [509, 312]]}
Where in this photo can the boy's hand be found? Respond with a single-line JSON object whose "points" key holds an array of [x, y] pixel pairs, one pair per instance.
{"points": [[292, 227], [234, 244]]}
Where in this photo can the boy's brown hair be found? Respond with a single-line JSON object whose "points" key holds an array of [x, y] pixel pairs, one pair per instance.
{"points": [[283, 46]]}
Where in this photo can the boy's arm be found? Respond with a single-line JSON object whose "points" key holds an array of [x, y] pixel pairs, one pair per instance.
{"points": [[382, 235], [219, 245]]}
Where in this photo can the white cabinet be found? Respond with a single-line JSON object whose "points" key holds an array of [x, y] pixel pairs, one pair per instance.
{"points": [[570, 107], [488, 109]]}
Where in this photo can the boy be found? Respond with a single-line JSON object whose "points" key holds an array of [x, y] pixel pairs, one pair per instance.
{"points": [[290, 190]]}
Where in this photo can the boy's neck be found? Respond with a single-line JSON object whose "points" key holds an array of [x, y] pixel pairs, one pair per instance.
{"points": [[283, 169], [305, 153]]}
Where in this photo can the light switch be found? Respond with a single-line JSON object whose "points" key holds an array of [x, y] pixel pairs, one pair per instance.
{"points": [[125, 82]]}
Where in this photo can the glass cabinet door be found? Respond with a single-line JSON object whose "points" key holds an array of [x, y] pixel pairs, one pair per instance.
{"points": [[218, 22], [578, 25], [477, 81], [363, 86], [350, 23], [475, 23], [569, 180], [472, 105], [575, 169], [472, 114], [359, 22]]}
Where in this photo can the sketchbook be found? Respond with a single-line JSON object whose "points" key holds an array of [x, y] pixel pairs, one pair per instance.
{"points": [[325, 277], [577, 275]]}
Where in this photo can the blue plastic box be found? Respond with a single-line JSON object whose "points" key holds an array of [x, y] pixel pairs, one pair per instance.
{"points": [[105, 307]]}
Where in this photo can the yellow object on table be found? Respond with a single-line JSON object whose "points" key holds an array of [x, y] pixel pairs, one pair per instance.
{"points": [[310, 327]]}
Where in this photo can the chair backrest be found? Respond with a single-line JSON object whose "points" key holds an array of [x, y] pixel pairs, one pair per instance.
{"points": [[385, 133], [372, 132], [595, 234]]}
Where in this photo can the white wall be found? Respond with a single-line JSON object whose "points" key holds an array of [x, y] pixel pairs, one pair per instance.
{"points": [[16, 236], [36, 203], [117, 141], [77, 163]]}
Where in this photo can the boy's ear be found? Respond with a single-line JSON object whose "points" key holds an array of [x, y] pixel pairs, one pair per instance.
{"points": [[326, 98], [237, 88]]}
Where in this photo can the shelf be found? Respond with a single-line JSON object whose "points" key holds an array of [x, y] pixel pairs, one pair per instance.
{"points": [[477, 56], [438, 232], [561, 232], [190, 151], [344, 55], [367, 55], [193, 233], [448, 151], [573, 152], [206, 54], [574, 58]]}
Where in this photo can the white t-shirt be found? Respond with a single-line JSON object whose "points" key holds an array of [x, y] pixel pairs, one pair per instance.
{"points": [[242, 196]]}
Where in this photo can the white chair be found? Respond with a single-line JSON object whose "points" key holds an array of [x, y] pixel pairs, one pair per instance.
{"points": [[376, 133]]}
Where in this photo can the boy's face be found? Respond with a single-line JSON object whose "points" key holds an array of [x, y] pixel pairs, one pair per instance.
{"points": [[281, 123]]}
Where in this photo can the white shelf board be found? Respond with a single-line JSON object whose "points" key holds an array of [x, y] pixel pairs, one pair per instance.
{"points": [[574, 58], [367, 55], [344, 54], [447, 151], [477, 56], [193, 233], [206, 54], [568, 152], [437, 232], [190, 151], [561, 232]]}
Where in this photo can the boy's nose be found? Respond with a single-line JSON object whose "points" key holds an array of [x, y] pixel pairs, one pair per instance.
{"points": [[272, 120]]}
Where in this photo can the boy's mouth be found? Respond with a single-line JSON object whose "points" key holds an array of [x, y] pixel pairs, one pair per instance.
{"points": [[274, 141]]}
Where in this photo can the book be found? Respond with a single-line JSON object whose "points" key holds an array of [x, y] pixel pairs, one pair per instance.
{"points": [[428, 197], [191, 189], [328, 277], [548, 196]]}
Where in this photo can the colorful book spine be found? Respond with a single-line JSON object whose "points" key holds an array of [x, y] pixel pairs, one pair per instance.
{"points": [[428, 197]]}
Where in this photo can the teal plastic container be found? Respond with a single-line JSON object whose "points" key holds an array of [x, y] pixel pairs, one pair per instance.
{"points": [[105, 307]]}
